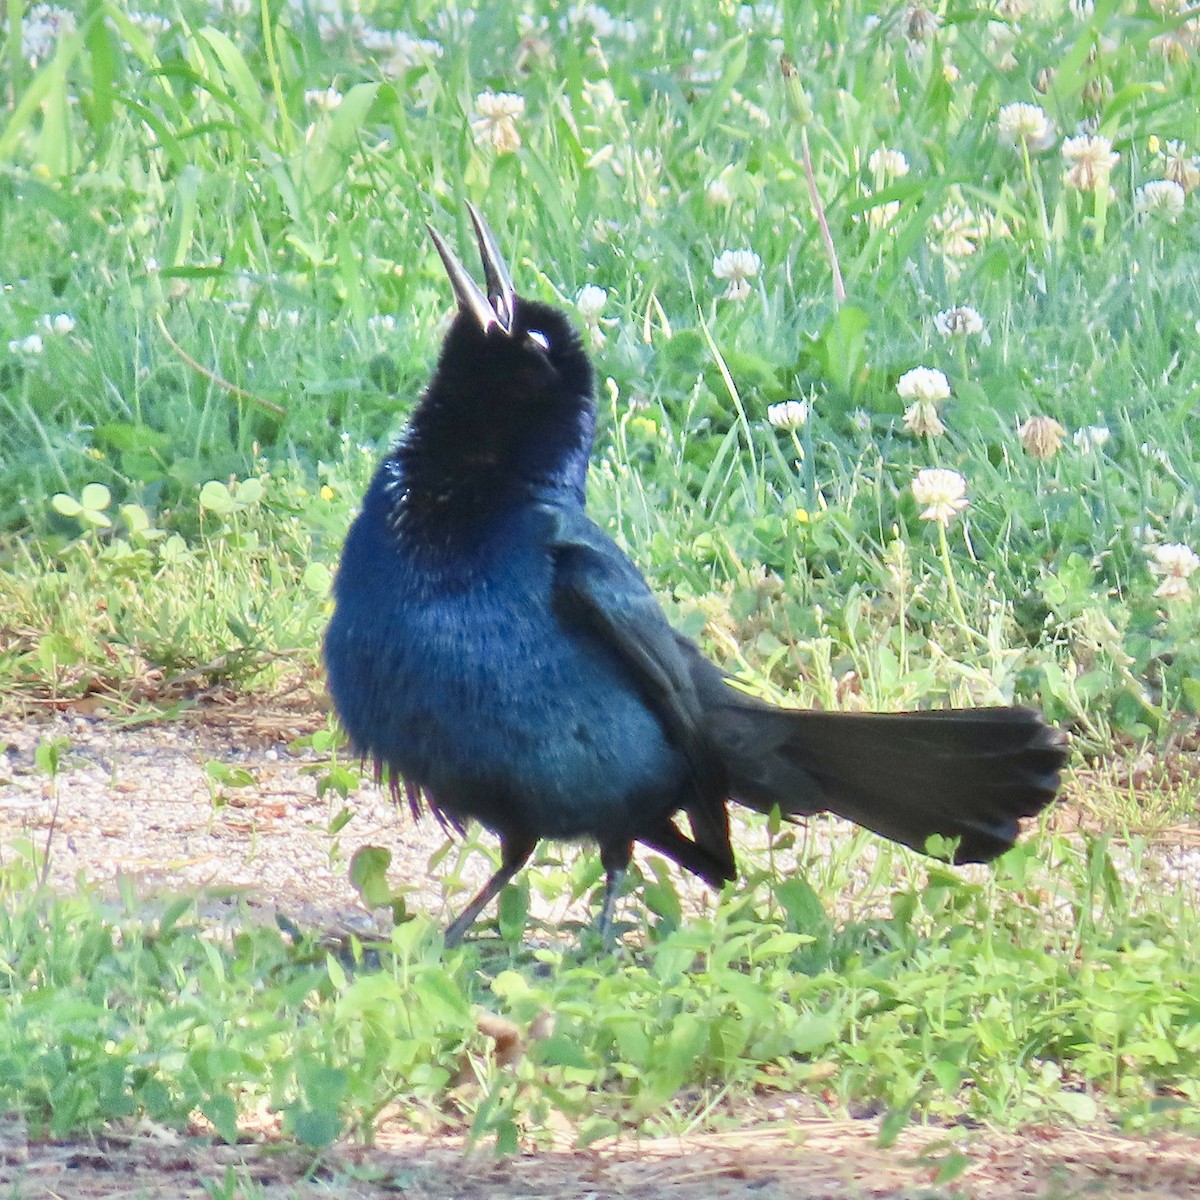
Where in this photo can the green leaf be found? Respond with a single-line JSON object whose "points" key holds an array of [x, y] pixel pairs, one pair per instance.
{"points": [[813, 1033], [222, 1112], [561, 1051], [442, 999], [248, 492], [242, 84], [315, 1127], [1079, 1106], [803, 906], [346, 127], [317, 578], [337, 974], [594, 1129], [95, 496], [950, 1167], [368, 875], [67, 505], [215, 497], [46, 755], [893, 1124], [514, 911]]}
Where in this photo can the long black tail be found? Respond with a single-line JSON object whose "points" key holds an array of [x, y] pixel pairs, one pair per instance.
{"points": [[968, 774]]}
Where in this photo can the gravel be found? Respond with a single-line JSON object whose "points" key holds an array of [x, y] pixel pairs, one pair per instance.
{"points": [[133, 803]]}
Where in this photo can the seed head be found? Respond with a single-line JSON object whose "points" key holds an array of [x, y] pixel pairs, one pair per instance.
{"points": [[1041, 437]]}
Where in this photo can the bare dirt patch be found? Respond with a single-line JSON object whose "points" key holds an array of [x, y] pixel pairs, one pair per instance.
{"points": [[138, 804], [810, 1159]]}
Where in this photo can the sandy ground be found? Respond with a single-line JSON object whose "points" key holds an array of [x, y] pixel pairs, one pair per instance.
{"points": [[137, 802]]}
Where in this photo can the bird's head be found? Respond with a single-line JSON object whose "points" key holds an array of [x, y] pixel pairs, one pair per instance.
{"points": [[513, 385]]}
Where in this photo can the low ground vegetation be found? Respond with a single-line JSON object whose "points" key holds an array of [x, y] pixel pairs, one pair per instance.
{"points": [[898, 356]]}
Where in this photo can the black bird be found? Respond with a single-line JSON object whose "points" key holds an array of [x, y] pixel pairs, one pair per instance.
{"points": [[494, 648]]}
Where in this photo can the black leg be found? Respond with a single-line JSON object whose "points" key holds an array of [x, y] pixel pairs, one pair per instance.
{"points": [[616, 864], [513, 856]]}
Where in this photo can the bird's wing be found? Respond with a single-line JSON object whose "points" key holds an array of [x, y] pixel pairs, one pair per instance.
{"points": [[597, 589]]}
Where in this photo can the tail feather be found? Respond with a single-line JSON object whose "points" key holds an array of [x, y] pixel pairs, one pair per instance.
{"points": [[968, 774]]}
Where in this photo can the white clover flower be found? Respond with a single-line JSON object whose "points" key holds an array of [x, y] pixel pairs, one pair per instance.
{"points": [[333, 20], [718, 194], [961, 321], [921, 419], [1092, 159], [59, 323], [591, 301], [600, 95], [399, 52], [1160, 199], [151, 24], [738, 267], [920, 22], [881, 216], [495, 122], [886, 163], [1001, 41], [1174, 558], [603, 23], [943, 494], [704, 67], [1176, 563], [590, 304], [1172, 45], [789, 415], [959, 229], [1180, 166], [1026, 123], [924, 383], [41, 29], [325, 99], [1091, 438], [760, 17], [32, 344], [1041, 437]]}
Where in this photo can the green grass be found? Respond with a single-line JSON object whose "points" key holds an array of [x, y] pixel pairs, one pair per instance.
{"points": [[1063, 985], [254, 306]]}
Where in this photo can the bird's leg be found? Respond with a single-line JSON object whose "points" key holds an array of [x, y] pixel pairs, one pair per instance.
{"points": [[513, 856], [616, 864]]}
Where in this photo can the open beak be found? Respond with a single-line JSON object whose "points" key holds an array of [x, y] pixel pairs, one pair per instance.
{"points": [[497, 307]]}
